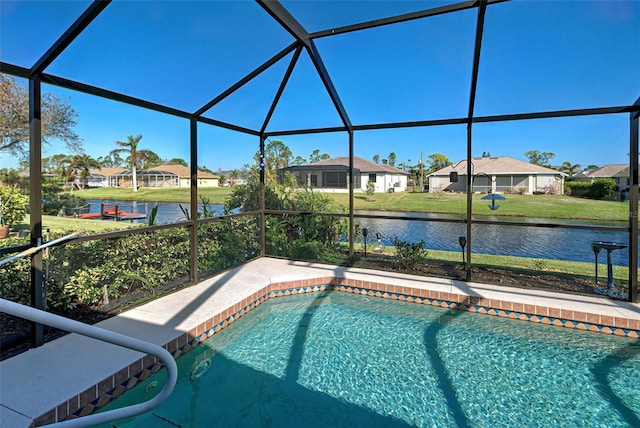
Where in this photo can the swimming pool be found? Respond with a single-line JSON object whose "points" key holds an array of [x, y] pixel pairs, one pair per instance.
{"points": [[344, 360]]}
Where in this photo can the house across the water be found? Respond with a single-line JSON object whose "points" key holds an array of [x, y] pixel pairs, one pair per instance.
{"points": [[500, 174], [162, 176], [332, 175], [620, 173]]}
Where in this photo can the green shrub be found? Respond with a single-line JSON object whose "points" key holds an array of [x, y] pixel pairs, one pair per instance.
{"points": [[226, 243], [13, 205], [577, 188], [371, 189], [409, 254], [14, 278], [602, 188], [86, 273]]}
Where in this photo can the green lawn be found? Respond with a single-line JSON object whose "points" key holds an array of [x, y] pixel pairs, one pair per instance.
{"points": [[72, 224], [530, 206]]}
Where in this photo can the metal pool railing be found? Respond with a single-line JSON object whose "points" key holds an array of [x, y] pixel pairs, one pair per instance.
{"points": [[98, 333], [66, 324]]}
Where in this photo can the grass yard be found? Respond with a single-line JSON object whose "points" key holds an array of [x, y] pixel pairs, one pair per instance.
{"points": [[72, 224], [529, 206]]}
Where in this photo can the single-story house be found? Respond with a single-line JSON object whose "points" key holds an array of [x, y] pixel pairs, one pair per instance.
{"points": [[145, 178], [102, 177], [620, 173], [205, 179], [332, 175], [500, 174], [162, 176]]}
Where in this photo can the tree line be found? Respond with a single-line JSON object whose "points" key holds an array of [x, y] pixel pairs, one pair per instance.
{"points": [[59, 120]]}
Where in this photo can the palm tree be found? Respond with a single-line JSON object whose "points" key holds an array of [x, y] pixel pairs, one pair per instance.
{"points": [[83, 163], [65, 172], [135, 156], [569, 169], [76, 169], [233, 177]]}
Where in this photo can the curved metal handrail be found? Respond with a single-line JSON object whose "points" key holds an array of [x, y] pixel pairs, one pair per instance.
{"points": [[67, 324]]}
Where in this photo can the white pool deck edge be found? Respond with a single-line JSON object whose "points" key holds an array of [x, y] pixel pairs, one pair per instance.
{"points": [[40, 379]]}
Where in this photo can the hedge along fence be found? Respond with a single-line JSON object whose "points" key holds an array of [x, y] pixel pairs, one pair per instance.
{"points": [[601, 188], [103, 274], [226, 243]]}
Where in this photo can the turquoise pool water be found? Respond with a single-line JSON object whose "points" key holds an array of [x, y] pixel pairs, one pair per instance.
{"points": [[335, 359]]}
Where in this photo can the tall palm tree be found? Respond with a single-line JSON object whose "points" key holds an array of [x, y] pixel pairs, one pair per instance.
{"points": [[135, 156]]}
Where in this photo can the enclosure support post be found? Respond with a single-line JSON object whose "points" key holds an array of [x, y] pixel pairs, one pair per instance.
{"points": [[263, 220], [482, 7], [633, 206], [193, 235], [351, 177], [35, 203], [469, 204]]}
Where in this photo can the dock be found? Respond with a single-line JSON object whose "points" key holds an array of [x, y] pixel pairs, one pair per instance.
{"points": [[112, 212]]}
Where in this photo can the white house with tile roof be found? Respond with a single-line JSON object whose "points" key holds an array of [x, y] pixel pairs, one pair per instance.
{"points": [[332, 175], [500, 174], [620, 173], [102, 177], [162, 176], [205, 179]]}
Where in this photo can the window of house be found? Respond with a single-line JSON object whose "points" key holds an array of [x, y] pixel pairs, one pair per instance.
{"points": [[372, 178]]}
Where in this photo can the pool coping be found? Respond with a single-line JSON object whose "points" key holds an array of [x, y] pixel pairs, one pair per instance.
{"points": [[180, 321]]}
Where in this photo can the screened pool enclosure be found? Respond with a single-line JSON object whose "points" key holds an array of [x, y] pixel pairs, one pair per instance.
{"points": [[350, 79]]}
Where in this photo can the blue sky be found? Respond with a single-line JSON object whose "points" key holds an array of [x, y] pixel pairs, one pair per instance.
{"points": [[536, 56]]}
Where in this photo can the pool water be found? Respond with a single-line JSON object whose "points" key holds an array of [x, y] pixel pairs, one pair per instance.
{"points": [[335, 359]]}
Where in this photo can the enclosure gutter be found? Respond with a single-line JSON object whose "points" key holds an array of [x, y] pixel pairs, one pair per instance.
{"points": [[464, 120], [401, 18]]}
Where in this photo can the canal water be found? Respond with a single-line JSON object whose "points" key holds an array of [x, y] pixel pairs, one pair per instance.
{"points": [[168, 212], [520, 241]]}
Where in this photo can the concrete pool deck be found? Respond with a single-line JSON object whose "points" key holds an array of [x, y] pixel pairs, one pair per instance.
{"points": [[73, 375]]}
